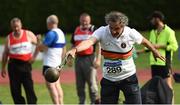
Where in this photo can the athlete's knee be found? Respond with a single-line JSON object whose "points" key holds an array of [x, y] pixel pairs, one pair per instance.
{"points": [[60, 94], [169, 82]]}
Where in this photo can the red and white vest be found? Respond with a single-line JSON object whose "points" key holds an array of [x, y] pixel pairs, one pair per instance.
{"points": [[79, 36], [20, 49]]}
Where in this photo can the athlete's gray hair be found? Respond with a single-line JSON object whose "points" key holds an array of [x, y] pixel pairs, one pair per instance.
{"points": [[15, 19], [52, 19], [84, 14], [116, 16]]}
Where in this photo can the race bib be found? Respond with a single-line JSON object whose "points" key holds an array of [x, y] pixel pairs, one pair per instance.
{"points": [[113, 68]]}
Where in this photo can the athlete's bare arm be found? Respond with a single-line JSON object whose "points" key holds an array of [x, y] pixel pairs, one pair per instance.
{"points": [[97, 61], [159, 46], [82, 46], [156, 54], [4, 59], [33, 39], [64, 52]]}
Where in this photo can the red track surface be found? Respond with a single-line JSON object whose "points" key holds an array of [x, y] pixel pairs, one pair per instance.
{"points": [[68, 76]]}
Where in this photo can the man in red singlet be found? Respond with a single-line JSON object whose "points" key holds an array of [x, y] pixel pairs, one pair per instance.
{"points": [[18, 54], [86, 62]]}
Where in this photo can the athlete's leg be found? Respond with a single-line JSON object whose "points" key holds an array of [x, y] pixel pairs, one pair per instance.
{"points": [[27, 81], [109, 92], [52, 88], [80, 80], [169, 81], [29, 89], [60, 92], [53, 92], [164, 72], [15, 84], [90, 74], [131, 90], [92, 84]]}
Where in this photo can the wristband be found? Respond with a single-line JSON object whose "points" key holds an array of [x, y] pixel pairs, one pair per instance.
{"points": [[147, 50]]}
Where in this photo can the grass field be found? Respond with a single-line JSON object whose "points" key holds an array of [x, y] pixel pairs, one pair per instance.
{"points": [[69, 89], [69, 94]]}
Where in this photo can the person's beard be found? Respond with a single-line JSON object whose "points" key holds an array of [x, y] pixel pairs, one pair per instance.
{"points": [[17, 32], [85, 27], [153, 26]]}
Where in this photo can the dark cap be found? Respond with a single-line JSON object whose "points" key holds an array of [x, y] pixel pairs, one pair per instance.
{"points": [[157, 14]]}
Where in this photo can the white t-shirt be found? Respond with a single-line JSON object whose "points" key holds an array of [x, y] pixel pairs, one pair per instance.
{"points": [[118, 69]]}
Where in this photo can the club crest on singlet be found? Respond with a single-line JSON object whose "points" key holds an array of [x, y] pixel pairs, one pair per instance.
{"points": [[123, 45]]}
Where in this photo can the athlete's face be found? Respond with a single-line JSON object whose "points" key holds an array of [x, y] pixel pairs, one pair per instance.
{"points": [[16, 27], [85, 22], [154, 22], [116, 28], [49, 25]]}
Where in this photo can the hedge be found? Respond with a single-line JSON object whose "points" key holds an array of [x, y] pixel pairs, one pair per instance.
{"points": [[34, 12]]}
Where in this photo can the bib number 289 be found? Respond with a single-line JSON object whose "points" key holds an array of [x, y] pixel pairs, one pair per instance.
{"points": [[113, 70]]}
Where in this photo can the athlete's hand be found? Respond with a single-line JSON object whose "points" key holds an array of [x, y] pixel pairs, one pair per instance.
{"points": [[156, 55], [72, 54], [32, 60], [97, 63], [70, 61], [3, 73], [38, 38]]}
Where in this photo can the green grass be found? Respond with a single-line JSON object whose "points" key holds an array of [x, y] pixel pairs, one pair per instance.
{"points": [[2, 40], [37, 65], [70, 96], [42, 93]]}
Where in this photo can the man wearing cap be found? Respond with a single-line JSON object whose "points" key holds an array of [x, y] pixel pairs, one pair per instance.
{"points": [[164, 40]]}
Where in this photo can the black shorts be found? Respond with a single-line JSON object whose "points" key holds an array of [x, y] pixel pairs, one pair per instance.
{"points": [[44, 69], [162, 71]]}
